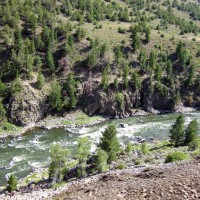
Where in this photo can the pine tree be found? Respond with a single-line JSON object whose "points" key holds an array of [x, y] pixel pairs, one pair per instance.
{"points": [[191, 133], [136, 80], [84, 146], [102, 158], [12, 183], [109, 143], [152, 60], [59, 156], [55, 97], [125, 76], [50, 59], [148, 35], [104, 80], [158, 73], [135, 39], [71, 91], [177, 132], [40, 81]]}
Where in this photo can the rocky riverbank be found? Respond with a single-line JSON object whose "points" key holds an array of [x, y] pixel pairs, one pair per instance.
{"points": [[79, 119], [70, 120], [136, 183]]}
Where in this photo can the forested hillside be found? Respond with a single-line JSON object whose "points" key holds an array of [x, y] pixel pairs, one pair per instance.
{"points": [[108, 57]]}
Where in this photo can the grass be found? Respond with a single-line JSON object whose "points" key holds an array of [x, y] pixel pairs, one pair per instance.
{"points": [[82, 119], [176, 156], [7, 128]]}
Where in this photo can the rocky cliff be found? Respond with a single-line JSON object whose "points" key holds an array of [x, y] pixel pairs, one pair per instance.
{"points": [[27, 107]]}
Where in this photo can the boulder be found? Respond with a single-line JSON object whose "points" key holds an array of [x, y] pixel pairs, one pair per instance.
{"points": [[122, 125]]}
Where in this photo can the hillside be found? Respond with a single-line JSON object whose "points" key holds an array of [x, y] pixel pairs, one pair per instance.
{"points": [[104, 57], [173, 181]]}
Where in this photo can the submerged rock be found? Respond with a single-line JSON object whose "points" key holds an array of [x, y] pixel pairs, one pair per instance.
{"points": [[123, 125]]}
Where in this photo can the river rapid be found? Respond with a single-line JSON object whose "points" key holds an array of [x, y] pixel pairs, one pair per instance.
{"points": [[24, 154]]}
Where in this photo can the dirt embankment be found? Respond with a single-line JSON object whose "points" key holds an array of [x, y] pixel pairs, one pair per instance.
{"points": [[172, 181], [169, 181]]}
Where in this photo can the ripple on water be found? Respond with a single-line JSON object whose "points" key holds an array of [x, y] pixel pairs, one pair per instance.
{"points": [[37, 164]]}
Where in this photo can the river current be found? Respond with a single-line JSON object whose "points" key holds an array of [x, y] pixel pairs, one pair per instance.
{"points": [[23, 154]]}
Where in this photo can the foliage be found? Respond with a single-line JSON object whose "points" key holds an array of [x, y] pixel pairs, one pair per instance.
{"points": [[70, 87], [144, 148], [102, 159], [16, 86], [177, 131], [40, 81], [2, 111], [176, 156], [109, 143], [84, 146], [12, 183], [59, 156], [120, 166], [129, 148], [120, 101], [55, 97], [191, 133]]}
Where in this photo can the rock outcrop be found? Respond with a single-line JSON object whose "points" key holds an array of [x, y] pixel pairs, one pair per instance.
{"points": [[151, 98], [27, 107]]}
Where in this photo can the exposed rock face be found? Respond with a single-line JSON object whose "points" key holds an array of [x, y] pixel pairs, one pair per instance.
{"points": [[148, 98], [27, 107]]}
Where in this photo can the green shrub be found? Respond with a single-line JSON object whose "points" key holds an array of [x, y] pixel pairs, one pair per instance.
{"points": [[12, 183], [129, 148], [176, 156], [102, 158], [194, 145], [120, 166], [144, 148], [138, 162]]}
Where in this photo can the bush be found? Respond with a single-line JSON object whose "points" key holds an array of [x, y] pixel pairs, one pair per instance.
{"points": [[138, 162], [12, 183], [194, 145], [40, 81], [176, 156], [144, 148], [129, 148], [102, 158], [120, 166], [16, 86]]}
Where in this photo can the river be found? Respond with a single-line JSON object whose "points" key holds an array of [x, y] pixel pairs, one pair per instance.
{"points": [[23, 154]]}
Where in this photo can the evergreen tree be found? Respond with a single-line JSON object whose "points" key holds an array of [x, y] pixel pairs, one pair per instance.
{"points": [[84, 146], [120, 101], [135, 39], [191, 133], [2, 111], [142, 60], [49, 59], [109, 143], [148, 35], [158, 73], [12, 183], [102, 158], [152, 60], [105, 79], [40, 81], [136, 80], [125, 76], [71, 91], [16, 86], [59, 156], [129, 148], [177, 132], [55, 97]]}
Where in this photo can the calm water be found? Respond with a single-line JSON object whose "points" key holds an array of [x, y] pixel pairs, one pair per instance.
{"points": [[22, 155]]}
